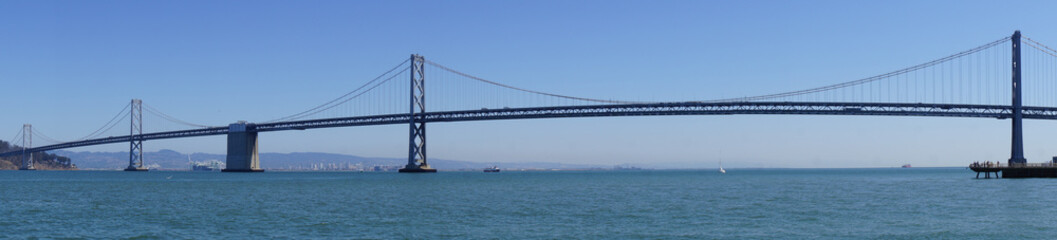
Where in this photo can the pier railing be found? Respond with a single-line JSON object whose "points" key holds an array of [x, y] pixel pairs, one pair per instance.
{"points": [[1019, 165], [987, 165], [1031, 165]]}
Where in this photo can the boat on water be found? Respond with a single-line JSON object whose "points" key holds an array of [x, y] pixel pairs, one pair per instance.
{"points": [[721, 170], [492, 169], [210, 166], [906, 165], [203, 167]]}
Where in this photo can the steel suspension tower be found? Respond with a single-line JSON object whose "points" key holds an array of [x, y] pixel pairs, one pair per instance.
{"points": [[1017, 154], [416, 159], [135, 148], [27, 143]]}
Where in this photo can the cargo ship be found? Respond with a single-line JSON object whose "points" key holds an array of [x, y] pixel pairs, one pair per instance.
{"points": [[210, 166], [204, 167]]}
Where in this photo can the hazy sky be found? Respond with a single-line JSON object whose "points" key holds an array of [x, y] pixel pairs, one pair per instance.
{"points": [[68, 66]]}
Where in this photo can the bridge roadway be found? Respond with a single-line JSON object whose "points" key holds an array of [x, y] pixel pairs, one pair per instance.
{"points": [[643, 109]]}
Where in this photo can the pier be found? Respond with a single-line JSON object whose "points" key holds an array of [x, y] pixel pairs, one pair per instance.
{"points": [[986, 168], [1016, 170]]}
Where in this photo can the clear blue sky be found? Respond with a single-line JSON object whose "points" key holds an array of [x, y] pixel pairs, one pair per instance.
{"points": [[68, 66]]}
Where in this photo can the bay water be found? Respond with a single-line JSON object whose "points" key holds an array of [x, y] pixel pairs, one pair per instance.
{"points": [[914, 203]]}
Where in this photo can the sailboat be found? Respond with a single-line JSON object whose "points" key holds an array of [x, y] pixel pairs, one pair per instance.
{"points": [[721, 167]]}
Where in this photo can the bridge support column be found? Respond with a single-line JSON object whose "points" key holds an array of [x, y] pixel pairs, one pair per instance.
{"points": [[27, 143], [135, 135], [242, 148], [416, 159], [1017, 153]]}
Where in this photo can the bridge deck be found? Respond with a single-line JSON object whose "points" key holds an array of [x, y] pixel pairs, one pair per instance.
{"points": [[612, 110]]}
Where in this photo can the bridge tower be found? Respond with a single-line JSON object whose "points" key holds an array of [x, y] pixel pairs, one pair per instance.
{"points": [[1017, 153], [27, 142], [135, 137], [416, 156]]}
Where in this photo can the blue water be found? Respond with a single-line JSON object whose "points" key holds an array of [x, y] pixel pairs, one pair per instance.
{"points": [[936, 203]]}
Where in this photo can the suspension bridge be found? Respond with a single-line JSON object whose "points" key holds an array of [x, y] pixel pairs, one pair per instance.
{"points": [[981, 82]]}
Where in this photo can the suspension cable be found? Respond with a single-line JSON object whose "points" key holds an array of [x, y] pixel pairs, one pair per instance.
{"points": [[1051, 50], [125, 116], [158, 113], [1040, 48], [869, 79], [36, 133], [12, 142], [526, 90], [108, 123], [325, 105], [350, 98], [106, 127]]}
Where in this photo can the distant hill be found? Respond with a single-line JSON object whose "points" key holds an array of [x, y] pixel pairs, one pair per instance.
{"points": [[169, 159]]}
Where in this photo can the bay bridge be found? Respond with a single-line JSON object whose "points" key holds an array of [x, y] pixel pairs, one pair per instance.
{"points": [[986, 81]]}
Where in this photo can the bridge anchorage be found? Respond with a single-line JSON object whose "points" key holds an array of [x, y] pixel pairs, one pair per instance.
{"points": [[242, 148]]}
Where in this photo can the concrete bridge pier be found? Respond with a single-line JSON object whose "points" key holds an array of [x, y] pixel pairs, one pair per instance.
{"points": [[27, 162], [242, 148]]}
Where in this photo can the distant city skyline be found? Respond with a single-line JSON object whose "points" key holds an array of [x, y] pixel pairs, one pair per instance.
{"points": [[70, 66]]}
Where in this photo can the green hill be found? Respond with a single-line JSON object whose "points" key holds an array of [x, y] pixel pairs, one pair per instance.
{"points": [[42, 161]]}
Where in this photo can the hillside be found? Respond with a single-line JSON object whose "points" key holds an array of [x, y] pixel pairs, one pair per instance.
{"points": [[42, 161]]}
